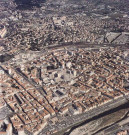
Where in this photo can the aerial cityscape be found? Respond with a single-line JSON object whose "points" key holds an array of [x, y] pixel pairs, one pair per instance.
{"points": [[64, 67]]}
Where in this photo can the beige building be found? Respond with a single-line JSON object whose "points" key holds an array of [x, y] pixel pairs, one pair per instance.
{"points": [[3, 32]]}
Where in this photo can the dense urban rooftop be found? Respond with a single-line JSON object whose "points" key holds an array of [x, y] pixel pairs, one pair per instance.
{"points": [[62, 82], [63, 62]]}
